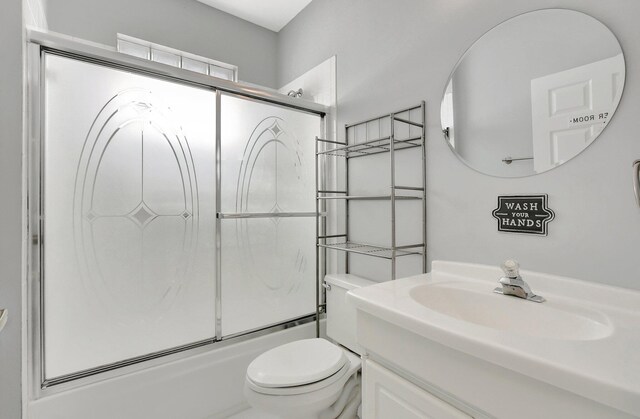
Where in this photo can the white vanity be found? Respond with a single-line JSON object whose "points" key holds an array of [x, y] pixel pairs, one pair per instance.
{"points": [[444, 345]]}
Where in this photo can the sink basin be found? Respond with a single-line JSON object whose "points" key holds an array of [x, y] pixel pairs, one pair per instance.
{"points": [[478, 305], [578, 350]]}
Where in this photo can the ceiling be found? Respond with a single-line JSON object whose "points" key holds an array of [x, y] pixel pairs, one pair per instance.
{"points": [[270, 14]]}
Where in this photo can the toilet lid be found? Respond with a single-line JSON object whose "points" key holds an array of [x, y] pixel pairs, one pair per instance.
{"points": [[297, 363]]}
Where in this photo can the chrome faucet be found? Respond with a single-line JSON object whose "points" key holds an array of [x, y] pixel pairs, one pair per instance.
{"points": [[513, 284]]}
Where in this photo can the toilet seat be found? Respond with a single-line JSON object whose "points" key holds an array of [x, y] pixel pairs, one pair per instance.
{"points": [[298, 363], [307, 388], [298, 367]]}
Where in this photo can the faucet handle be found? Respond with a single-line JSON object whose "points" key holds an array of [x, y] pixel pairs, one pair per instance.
{"points": [[511, 268]]}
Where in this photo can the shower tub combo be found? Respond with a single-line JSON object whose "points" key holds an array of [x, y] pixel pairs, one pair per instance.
{"points": [[172, 227]]}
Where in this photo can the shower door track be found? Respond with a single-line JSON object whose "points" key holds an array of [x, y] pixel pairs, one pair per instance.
{"points": [[40, 43], [106, 55], [193, 348]]}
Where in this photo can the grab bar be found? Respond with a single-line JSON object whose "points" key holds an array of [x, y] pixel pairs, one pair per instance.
{"points": [[3, 317], [636, 180]]}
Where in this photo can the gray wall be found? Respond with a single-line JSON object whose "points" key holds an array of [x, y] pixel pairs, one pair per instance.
{"points": [[11, 206], [393, 54], [183, 24]]}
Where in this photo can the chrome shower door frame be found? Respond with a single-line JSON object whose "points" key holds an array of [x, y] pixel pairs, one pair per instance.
{"points": [[33, 313]]}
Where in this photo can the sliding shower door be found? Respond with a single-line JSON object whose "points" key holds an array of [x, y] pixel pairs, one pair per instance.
{"points": [[157, 227], [267, 220], [128, 215]]}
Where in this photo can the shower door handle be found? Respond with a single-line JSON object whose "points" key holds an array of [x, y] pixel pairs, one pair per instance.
{"points": [[636, 180], [223, 215]]}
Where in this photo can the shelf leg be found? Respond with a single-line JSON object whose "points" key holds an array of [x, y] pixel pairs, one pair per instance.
{"points": [[392, 159]]}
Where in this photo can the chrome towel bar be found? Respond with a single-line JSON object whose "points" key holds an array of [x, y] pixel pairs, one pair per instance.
{"points": [[509, 159], [636, 180], [3, 317]]}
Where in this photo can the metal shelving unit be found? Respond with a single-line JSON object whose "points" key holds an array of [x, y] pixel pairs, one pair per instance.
{"points": [[350, 149]]}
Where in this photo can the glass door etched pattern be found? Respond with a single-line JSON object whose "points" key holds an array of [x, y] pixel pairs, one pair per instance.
{"points": [[129, 215], [268, 204], [267, 271]]}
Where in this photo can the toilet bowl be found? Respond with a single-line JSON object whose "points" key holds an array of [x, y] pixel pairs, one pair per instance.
{"points": [[313, 378], [310, 378]]}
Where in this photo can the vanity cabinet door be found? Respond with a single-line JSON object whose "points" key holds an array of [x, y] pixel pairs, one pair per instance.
{"points": [[386, 395]]}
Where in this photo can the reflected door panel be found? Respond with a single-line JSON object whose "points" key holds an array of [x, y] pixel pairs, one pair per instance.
{"points": [[129, 215], [268, 265], [571, 108]]}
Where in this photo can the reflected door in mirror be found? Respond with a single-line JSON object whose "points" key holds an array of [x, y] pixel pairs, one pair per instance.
{"points": [[571, 108]]}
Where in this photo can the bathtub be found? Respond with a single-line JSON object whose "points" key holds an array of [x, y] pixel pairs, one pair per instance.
{"points": [[207, 385]]}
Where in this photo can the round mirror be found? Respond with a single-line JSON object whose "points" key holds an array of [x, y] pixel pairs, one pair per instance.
{"points": [[533, 92]]}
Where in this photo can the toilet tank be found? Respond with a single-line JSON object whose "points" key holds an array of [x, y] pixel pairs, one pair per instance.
{"points": [[341, 316]]}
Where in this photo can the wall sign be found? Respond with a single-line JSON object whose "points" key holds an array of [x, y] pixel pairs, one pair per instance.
{"points": [[589, 118], [527, 214]]}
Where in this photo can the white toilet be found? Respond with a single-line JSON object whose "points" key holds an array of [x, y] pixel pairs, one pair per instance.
{"points": [[313, 378]]}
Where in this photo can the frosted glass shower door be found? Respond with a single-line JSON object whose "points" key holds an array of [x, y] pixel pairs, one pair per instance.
{"points": [[128, 207], [268, 213]]}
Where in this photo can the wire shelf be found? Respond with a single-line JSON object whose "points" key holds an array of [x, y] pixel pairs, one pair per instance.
{"points": [[377, 146], [401, 130], [371, 197], [376, 251]]}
